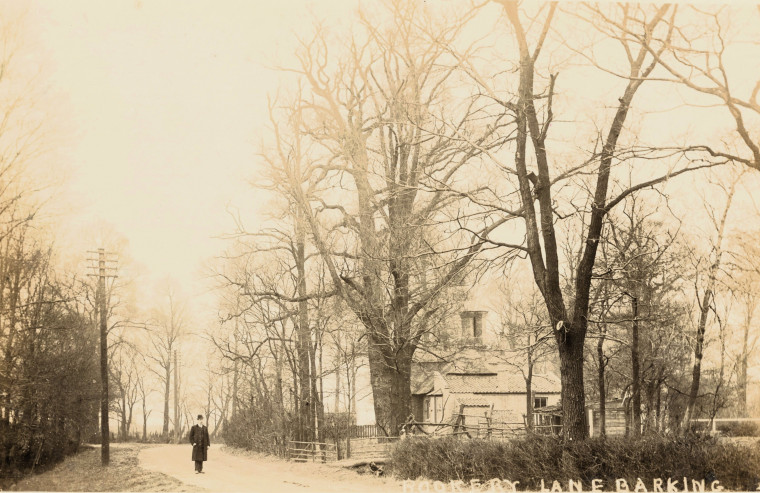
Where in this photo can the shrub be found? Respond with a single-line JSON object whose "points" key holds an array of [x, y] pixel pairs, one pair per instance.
{"points": [[739, 428], [533, 458]]}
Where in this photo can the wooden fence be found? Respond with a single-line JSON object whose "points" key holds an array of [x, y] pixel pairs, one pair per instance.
{"points": [[377, 448], [466, 425], [365, 431], [369, 442], [312, 451]]}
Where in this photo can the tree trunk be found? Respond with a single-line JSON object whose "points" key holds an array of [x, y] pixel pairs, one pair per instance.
{"points": [[658, 409], [336, 405], [167, 383], [129, 417], [351, 377], [123, 420], [303, 343], [696, 370], [176, 400], [529, 399], [390, 375], [317, 411], [650, 422], [743, 367], [5, 390], [350, 395], [145, 425], [636, 381], [529, 388], [707, 300], [235, 372], [12, 316], [602, 386], [570, 346]]}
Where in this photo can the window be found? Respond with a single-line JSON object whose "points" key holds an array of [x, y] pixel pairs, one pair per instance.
{"points": [[539, 402], [472, 324], [433, 409]]}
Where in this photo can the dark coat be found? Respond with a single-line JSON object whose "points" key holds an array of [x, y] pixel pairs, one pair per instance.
{"points": [[199, 438]]}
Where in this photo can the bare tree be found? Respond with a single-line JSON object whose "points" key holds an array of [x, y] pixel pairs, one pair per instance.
{"points": [[218, 396], [539, 183], [144, 390], [701, 57], [640, 271], [275, 280], [395, 234], [124, 375], [706, 299], [260, 342], [164, 335], [745, 289]]}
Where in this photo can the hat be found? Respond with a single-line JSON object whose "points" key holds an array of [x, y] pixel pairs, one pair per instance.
{"points": [[200, 416]]}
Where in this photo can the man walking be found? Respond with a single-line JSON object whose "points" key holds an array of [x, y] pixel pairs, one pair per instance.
{"points": [[201, 442]]}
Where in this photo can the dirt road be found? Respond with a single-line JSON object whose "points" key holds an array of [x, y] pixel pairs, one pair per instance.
{"points": [[225, 471]]}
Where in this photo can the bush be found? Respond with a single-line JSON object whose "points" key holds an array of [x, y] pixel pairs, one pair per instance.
{"points": [[531, 459], [259, 429], [738, 428]]}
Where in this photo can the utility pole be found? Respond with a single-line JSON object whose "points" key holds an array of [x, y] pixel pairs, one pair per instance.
{"points": [[176, 399], [102, 308]]}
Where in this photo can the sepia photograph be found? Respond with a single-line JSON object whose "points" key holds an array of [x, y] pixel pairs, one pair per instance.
{"points": [[403, 246]]}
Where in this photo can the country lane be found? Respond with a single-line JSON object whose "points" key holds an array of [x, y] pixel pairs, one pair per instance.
{"points": [[225, 471]]}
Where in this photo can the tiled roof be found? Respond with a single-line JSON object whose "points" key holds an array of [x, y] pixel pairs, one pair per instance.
{"points": [[473, 401], [473, 383], [546, 384], [498, 383]]}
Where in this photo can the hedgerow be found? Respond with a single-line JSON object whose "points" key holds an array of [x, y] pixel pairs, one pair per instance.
{"points": [[534, 458]]}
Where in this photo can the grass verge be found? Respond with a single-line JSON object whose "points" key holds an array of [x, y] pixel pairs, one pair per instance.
{"points": [[83, 472]]}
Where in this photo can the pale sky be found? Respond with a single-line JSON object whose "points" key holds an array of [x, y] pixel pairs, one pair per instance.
{"points": [[157, 111], [163, 103]]}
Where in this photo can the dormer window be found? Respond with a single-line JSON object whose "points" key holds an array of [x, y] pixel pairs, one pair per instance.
{"points": [[472, 324]]}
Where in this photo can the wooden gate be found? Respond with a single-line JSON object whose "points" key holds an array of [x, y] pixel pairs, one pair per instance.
{"points": [[312, 451]]}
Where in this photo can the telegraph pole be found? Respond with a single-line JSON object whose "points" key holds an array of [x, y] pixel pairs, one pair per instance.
{"points": [[102, 307], [176, 399]]}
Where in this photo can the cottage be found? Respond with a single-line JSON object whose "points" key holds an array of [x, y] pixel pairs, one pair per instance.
{"points": [[499, 394]]}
